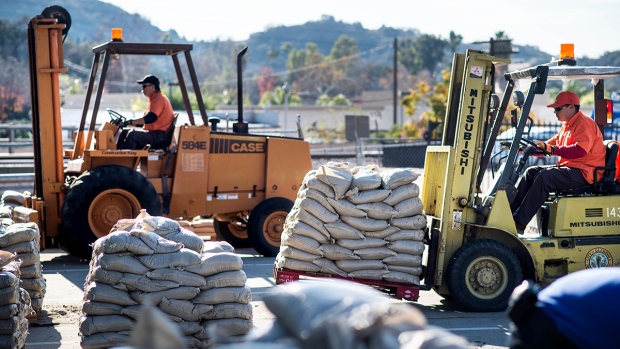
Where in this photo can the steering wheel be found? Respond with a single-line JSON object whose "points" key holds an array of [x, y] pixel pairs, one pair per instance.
{"points": [[115, 117], [537, 149]]}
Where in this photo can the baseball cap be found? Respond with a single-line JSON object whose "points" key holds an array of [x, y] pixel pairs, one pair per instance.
{"points": [[150, 79], [563, 98]]}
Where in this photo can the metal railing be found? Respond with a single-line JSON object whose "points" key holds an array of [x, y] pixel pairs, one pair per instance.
{"points": [[12, 142]]}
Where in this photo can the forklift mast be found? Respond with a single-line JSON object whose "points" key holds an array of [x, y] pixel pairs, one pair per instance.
{"points": [[46, 63], [450, 194]]}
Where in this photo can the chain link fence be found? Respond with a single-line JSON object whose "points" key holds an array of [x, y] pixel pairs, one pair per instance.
{"points": [[411, 152]]}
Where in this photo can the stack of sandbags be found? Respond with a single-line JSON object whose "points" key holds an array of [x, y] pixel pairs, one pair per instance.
{"points": [[14, 304], [152, 260], [358, 223], [24, 240]]}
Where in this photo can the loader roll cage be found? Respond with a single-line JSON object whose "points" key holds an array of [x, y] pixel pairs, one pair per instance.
{"points": [[102, 55]]}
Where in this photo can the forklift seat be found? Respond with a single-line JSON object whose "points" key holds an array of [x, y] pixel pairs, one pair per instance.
{"points": [[607, 184]]}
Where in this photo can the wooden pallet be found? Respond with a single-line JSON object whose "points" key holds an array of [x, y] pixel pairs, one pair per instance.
{"points": [[402, 291]]}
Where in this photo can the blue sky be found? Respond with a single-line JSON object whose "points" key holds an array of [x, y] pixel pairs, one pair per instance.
{"points": [[590, 24]]}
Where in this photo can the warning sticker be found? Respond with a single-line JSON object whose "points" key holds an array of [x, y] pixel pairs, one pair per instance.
{"points": [[476, 72], [193, 163]]}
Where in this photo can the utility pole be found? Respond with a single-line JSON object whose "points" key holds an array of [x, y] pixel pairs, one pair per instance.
{"points": [[395, 69]]}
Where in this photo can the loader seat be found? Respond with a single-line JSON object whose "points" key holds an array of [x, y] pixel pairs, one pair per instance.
{"points": [[607, 184], [165, 141]]}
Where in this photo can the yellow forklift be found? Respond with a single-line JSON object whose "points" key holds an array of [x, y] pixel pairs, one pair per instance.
{"points": [[246, 182], [475, 254]]}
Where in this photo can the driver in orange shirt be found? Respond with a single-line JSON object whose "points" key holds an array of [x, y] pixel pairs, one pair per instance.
{"points": [[580, 148], [156, 120]]}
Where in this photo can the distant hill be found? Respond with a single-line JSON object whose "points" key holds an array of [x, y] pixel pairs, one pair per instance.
{"points": [[92, 21]]}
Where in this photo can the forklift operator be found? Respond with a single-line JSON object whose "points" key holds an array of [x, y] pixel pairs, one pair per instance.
{"points": [[579, 145], [156, 120]]}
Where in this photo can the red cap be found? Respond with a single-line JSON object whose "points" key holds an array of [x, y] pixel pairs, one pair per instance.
{"points": [[563, 98]]}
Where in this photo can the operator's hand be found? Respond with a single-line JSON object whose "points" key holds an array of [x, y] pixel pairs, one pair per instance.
{"points": [[544, 146]]}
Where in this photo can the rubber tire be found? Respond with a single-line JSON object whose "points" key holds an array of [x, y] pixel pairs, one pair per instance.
{"points": [[269, 214], [465, 257], [223, 231], [76, 234]]}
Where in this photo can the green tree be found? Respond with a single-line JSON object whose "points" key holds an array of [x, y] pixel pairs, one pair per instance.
{"points": [[454, 41], [422, 53]]}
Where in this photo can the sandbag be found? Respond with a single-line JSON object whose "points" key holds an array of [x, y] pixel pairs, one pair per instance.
{"points": [[155, 242], [396, 276], [365, 178], [300, 242], [374, 252], [99, 308], [99, 292], [293, 253], [414, 222], [409, 207], [185, 309], [227, 279], [379, 210], [188, 238], [294, 264], [214, 263], [364, 197], [407, 234], [346, 208], [376, 274], [325, 189], [407, 246], [401, 193], [337, 175], [182, 292], [219, 295], [102, 275], [404, 269], [365, 224], [89, 325], [337, 252], [122, 262], [180, 277], [181, 259], [404, 259], [229, 311], [391, 179], [316, 209], [121, 241], [329, 267], [300, 228], [341, 230], [308, 218], [142, 283], [383, 233], [349, 266], [359, 244], [317, 196]]}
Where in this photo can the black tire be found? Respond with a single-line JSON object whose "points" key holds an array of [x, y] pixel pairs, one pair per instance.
{"points": [[266, 224], [97, 199], [233, 232], [482, 275]]}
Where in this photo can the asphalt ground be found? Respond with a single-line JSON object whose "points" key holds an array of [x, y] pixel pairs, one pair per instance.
{"points": [[57, 323]]}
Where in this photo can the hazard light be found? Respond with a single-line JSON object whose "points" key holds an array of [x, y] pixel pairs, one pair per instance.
{"points": [[603, 111], [117, 34], [567, 54]]}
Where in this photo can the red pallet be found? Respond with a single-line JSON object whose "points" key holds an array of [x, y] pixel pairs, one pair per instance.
{"points": [[398, 290]]}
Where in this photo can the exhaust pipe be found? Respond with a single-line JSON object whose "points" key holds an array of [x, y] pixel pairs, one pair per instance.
{"points": [[240, 126]]}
